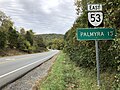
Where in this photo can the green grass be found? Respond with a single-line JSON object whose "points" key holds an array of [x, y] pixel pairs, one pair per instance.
{"points": [[64, 75], [55, 80]]}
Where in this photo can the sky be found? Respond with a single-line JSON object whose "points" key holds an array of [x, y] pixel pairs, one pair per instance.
{"points": [[42, 16]]}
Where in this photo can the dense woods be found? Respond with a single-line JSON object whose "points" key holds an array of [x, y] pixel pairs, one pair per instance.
{"points": [[83, 52], [53, 41], [24, 40]]}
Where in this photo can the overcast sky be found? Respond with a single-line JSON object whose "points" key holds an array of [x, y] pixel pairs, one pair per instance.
{"points": [[42, 16]]}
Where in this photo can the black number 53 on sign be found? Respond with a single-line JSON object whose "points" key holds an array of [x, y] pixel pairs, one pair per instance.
{"points": [[95, 18]]}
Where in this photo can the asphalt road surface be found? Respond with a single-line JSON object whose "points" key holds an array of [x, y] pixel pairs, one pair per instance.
{"points": [[15, 66]]}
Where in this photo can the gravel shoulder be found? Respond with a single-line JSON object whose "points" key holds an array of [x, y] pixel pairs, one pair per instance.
{"points": [[30, 80]]}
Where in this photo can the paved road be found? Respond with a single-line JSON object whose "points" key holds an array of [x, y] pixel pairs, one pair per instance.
{"points": [[15, 66]]}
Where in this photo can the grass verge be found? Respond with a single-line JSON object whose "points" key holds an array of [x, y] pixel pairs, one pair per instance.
{"points": [[64, 75]]}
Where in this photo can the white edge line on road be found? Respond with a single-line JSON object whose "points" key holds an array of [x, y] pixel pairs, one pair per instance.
{"points": [[22, 67]]}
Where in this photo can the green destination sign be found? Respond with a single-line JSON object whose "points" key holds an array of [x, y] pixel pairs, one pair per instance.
{"points": [[95, 34]]}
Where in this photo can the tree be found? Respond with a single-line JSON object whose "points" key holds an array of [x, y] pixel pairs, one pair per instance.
{"points": [[3, 40], [22, 31], [56, 44], [39, 44], [6, 23], [12, 38], [30, 37]]}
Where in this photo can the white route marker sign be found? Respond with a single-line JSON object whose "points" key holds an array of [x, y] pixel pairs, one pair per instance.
{"points": [[95, 15], [95, 18]]}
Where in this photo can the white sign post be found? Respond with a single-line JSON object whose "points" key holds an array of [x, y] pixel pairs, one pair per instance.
{"points": [[95, 18]]}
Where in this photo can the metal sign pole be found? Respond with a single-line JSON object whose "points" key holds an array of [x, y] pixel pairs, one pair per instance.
{"points": [[97, 62]]}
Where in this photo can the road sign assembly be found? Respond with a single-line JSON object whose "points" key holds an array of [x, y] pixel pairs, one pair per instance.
{"points": [[94, 32]]}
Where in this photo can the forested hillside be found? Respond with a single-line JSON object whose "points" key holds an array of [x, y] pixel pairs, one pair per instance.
{"points": [[83, 52], [12, 39], [49, 37], [22, 40], [53, 41]]}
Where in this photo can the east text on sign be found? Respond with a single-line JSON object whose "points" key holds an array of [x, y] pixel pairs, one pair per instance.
{"points": [[94, 7]]}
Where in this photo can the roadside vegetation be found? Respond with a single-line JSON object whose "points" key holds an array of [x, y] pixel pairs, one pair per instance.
{"points": [[66, 75], [15, 42], [83, 52]]}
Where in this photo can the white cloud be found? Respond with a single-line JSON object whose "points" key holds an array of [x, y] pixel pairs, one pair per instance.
{"points": [[43, 16], [48, 5]]}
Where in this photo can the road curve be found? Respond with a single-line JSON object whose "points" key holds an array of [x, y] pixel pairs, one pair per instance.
{"points": [[15, 66]]}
